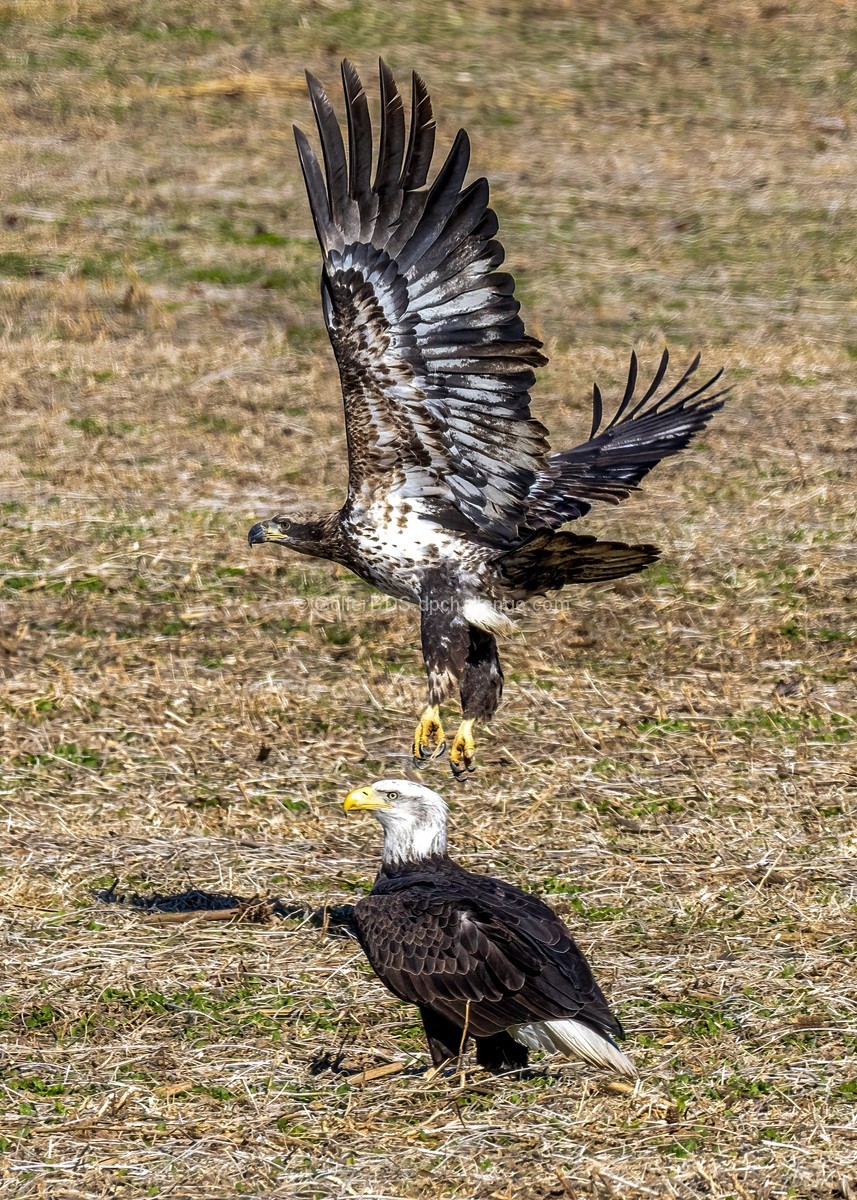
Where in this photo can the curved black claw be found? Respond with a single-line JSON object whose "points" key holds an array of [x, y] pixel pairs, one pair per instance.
{"points": [[461, 771], [463, 750], [426, 756], [429, 741]]}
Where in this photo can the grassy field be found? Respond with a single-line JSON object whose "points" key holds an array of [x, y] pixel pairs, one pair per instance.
{"points": [[674, 763]]}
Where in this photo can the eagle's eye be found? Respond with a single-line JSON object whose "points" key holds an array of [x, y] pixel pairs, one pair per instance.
{"points": [[392, 795]]}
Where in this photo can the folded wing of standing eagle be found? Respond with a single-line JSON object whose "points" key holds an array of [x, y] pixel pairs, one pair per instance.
{"points": [[481, 958], [454, 500]]}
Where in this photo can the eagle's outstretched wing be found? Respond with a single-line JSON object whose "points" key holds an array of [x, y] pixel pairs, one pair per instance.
{"points": [[615, 458], [434, 361]]}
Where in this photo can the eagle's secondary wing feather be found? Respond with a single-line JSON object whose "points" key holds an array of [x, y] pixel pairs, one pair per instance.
{"points": [[479, 951], [616, 457], [433, 357]]}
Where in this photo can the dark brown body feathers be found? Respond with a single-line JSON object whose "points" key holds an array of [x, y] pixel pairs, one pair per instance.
{"points": [[476, 955]]}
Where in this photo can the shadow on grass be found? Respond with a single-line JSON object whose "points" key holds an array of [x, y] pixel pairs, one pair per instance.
{"points": [[336, 920]]}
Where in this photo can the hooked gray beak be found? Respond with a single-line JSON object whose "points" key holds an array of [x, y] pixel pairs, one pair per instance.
{"points": [[257, 534], [267, 531]]}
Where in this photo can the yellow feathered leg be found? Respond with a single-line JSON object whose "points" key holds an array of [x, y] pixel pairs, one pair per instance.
{"points": [[463, 749], [428, 738]]}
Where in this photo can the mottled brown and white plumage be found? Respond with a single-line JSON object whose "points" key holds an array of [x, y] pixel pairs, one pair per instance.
{"points": [[454, 501], [479, 957]]}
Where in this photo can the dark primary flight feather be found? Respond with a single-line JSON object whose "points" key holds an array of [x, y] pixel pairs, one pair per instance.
{"points": [[478, 951], [615, 458], [434, 360]]}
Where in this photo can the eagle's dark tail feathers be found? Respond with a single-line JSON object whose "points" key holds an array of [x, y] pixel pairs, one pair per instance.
{"points": [[552, 560]]}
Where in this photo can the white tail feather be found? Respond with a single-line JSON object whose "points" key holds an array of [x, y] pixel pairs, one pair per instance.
{"points": [[484, 615], [573, 1039]]}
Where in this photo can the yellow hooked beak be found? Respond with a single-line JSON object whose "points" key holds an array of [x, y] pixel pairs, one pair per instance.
{"points": [[363, 800]]}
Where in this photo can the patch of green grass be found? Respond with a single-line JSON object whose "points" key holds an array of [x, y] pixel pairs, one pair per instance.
{"points": [[254, 275], [256, 234], [651, 805], [292, 805], [92, 427], [739, 1087], [699, 1018], [18, 265], [663, 574], [684, 1147], [557, 886], [180, 32], [82, 30], [89, 583], [831, 727], [305, 338], [88, 425], [39, 706], [338, 633], [188, 1013], [797, 630], [70, 752], [35, 1085], [216, 1092], [607, 768], [285, 627], [214, 422], [248, 1006], [664, 725]]}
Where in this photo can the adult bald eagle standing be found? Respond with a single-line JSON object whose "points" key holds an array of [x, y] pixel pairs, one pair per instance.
{"points": [[454, 500], [480, 958]]}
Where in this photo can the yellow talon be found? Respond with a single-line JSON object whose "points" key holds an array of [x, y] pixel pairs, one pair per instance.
{"points": [[428, 738], [463, 749]]}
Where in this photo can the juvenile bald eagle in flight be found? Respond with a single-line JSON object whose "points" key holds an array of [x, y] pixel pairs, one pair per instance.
{"points": [[480, 958], [454, 499]]}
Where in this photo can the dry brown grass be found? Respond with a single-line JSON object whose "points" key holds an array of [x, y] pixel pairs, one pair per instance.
{"points": [[674, 761]]}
